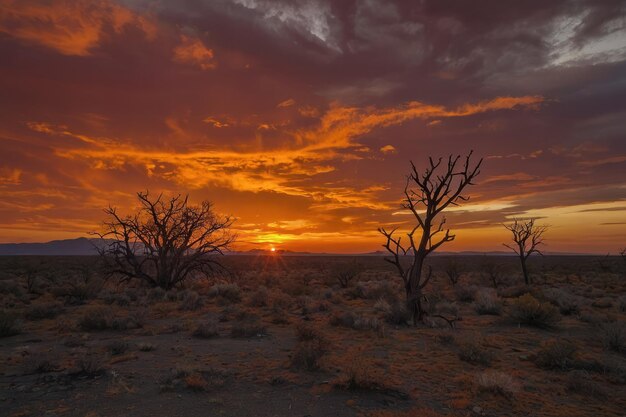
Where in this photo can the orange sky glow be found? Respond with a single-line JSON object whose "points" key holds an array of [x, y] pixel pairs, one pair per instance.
{"points": [[300, 118]]}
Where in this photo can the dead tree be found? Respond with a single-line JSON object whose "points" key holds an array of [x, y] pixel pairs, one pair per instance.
{"points": [[527, 236], [493, 270], [426, 195], [165, 242]]}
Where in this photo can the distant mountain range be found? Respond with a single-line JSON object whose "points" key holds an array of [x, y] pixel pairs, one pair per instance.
{"points": [[84, 246]]}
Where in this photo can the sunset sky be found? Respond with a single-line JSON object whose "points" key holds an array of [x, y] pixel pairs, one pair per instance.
{"points": [[300, 118]]}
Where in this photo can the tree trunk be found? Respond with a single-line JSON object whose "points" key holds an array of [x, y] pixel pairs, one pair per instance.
{"points": [[524, 270], [414, 291]]}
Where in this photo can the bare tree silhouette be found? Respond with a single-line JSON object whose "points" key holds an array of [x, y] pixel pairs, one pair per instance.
{"points": [[527, 236], [426, 195], [165, 242]]}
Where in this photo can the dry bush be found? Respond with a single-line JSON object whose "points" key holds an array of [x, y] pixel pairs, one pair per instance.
{"points": [[514, 291], [527, 310], [472, 350], [146, 347], [311, 347], [557, 354], [487, 302], [260, 297], [497, 382], [194, 380], [156, 294], [190, 301], [581, 382], [398, 314], [614, 337], [347, 272], [567, 303], [88, 365], [96, 318], [604, 302], [453, 271], [207, 329], [44, 311], [117, 347], [465, 293], [621, 303], [42, 363], [248, 326], [228, 292], [362, 374]]}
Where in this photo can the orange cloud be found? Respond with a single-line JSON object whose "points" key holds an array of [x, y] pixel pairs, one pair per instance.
{"points": [[69, 27], [192, 51], [280, 169]]}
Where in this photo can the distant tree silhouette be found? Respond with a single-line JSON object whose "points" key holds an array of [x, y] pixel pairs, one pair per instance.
{"points": [[427, 194], [527, 236], [165, 242]]}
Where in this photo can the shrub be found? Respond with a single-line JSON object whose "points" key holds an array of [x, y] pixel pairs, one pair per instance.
{"points": [[195, 380], [556, 354], [311, 347], [88, 365], [580, 382], [465, 293], [614, 337], [96, 318], [382, 306], [398, 314], [249, 326], [44, 311], [567, 303], [498, 383], [191, 301], [230, 292], [260, 297], [42, 363], [117, 347], [361, 374], [343, 319], [487, 302], [207, 329], [146, 347], [621, 303], [347, 272], [529, 311], [473, 351], [157, 294]]}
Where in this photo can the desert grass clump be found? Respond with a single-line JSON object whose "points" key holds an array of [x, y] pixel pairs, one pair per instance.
{"points": [[362, 375], [44, 311], [527, 310], [228, 292], [614, 337], [487, 302], [191, 301], [95, 319], [311, 347], [556, 354], [473, 350], [207, 329], [248, 326], [497, 382]]}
